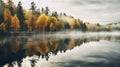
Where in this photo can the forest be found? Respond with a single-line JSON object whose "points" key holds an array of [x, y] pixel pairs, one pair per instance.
{"points": [[16, 19]]}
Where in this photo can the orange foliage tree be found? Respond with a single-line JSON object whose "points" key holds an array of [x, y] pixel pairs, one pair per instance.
{"points": [[7, 18], [15, 23]]}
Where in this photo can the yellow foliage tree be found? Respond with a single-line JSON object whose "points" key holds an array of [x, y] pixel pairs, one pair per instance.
{"points": [[31, 22], [87, 25], [51, 27], [27, 13], [53, 23], [72, 24], [42, 22], [15, 23], [61, 24], [79, 22], [7, 18]]}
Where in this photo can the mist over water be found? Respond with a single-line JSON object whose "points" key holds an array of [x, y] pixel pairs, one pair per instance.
{"points": [[60, 49]]}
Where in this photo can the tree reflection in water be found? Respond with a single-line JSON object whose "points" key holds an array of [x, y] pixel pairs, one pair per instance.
{"points": [[14, 49]]}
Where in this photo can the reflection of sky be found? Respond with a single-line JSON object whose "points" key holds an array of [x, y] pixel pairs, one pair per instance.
{"points": [[86, 55], [87, 10]]}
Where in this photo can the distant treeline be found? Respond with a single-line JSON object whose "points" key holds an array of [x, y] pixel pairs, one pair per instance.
{"points": [[14, 18]]}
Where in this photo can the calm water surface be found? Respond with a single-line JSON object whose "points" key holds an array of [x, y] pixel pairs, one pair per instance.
{"points": [[61, 50]]}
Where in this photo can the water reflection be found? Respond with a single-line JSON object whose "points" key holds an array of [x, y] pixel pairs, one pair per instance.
{"points": [[14, 49]]}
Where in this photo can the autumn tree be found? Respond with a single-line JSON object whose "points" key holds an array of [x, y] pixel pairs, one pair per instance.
{"points": [[72, 24], [33, 16], [42, 22], [87, 26], [56, 23], [80, 23], [7, 19], [60, 26], [21, 16], [31, 22], [53, 23], [15, 23], [77, 24], [52, 27]]}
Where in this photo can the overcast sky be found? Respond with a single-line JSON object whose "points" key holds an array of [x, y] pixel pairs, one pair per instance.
{"points": [[100, 11]]}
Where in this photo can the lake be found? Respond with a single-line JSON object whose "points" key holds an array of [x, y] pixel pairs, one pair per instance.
{"points": [[71, 49]]}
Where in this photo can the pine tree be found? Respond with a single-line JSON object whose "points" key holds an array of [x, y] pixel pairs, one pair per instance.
{"points": [[2, 6], [32, 18], [33, 7], [21, 16], [47, 11]]}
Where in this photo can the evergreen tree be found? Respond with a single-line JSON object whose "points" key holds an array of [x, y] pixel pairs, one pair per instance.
{"points": [[21, 16], [47, 11], [32, 18], [33, 7], [42, 11], [2, 6], [55, 14]]}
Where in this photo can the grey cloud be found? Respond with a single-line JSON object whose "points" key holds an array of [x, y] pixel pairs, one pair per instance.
{"points": [[82, 2], [87, 10]]}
